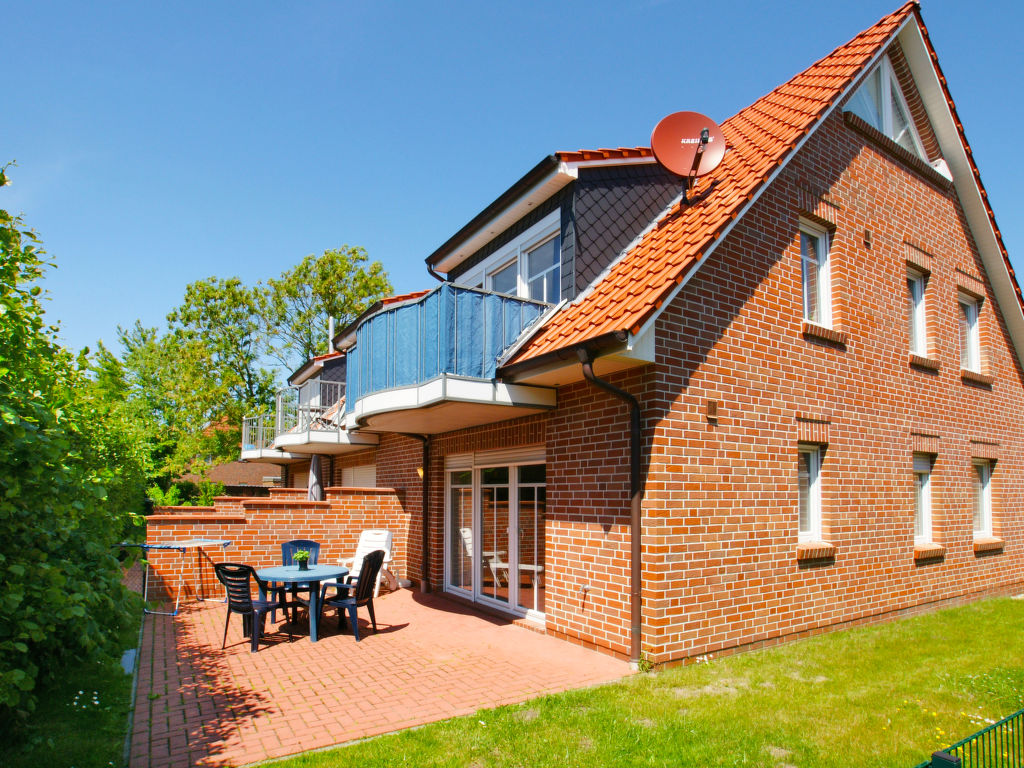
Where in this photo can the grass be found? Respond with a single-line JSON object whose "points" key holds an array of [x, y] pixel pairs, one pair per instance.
{"points": [[81, 719], [887, 695]]}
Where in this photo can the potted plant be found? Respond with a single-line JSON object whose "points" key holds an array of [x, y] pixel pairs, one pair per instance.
{"points": [[302, 558]]}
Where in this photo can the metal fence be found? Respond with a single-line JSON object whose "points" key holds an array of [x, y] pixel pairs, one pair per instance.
{"points": [[309, 406], [1001, 745], [257, 432]]}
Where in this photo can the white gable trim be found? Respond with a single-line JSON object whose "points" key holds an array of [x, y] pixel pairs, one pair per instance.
{"points": [[955, 154]]}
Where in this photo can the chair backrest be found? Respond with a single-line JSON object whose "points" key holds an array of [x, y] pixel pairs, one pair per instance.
{"points": [[371, 540], [289, 548], [467, 540], [368, 570], [236, 580]]}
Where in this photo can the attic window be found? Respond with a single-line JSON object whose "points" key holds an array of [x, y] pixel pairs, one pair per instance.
{"points": [[879, 102]]}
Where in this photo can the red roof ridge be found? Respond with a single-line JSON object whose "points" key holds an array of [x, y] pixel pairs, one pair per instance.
{"points": [[760, 139], [619, 153]]}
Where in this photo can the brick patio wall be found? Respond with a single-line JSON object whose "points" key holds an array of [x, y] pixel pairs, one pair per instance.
{"points": [[256, 527]]}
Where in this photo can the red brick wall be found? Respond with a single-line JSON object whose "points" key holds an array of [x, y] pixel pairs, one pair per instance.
{"points": [[721, 503], [257, 527]]}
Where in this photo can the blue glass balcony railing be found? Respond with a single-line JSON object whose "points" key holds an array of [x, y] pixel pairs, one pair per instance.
{"points": [[451, 330]]}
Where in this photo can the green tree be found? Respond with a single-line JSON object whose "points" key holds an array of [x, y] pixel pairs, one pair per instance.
{"points": [[340, 283], [68, 479]]}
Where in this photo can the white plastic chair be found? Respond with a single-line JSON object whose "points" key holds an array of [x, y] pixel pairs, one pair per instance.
{"points": [[370, 541], [493, 559]]}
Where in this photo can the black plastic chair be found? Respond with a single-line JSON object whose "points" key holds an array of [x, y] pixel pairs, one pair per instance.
{"points": [[288, 550], [362, 587], [237, 580]]}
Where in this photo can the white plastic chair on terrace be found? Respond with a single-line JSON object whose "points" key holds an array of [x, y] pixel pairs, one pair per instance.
{"points": [[493, 559], [370, 541]]}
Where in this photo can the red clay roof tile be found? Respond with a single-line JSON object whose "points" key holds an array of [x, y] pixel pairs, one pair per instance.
{"points": [[759, 139]]}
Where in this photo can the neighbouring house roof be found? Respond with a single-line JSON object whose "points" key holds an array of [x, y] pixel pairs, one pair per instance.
{"points": [[760, 139], [236, 473]]}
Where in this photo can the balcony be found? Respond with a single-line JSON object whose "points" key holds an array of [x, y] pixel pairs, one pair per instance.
{"points": [[258, 441], [428, 366], [310, 420], [307, 419]]}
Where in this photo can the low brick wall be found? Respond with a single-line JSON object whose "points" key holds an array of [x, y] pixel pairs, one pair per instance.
{"points": [[256, 527]]}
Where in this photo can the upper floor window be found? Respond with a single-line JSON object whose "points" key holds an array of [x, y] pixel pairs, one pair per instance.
{"points": [[529, 266], [815, 275], [879, 102], [918, 317], [970, 341]]}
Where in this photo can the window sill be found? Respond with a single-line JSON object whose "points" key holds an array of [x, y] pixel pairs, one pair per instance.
{"points": [[894, 150], [927, 363], [988, 544], [815, 550], [973, 377], [929, 551], [821, 332]]}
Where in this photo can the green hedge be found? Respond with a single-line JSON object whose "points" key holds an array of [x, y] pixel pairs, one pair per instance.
{"points": [[69, 478]]}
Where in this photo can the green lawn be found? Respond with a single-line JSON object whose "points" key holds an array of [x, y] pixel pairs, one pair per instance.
{"points": [[82, 719], [886, 695]]}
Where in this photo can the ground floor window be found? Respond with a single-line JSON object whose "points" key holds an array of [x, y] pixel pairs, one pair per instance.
{"points": [[982, 482], [495, 534], [809, 492], [922, 499]]}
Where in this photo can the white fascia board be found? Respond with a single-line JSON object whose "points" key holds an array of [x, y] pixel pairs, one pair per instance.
{"points": [[313, 369], [449, 388], [537, 194], [767, 183], [575, 165], [337, 436], [640, 346], [954, 152]]}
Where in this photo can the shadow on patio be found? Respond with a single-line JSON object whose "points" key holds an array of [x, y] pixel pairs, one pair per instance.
{"points": [[433, 659]]}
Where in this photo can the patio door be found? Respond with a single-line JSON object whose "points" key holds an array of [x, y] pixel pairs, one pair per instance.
{"points": [[495, 531]]}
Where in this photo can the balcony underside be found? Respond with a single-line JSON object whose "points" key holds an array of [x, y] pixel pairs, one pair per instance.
{"points": [[323, 441], [270, 456], [447, 403]]}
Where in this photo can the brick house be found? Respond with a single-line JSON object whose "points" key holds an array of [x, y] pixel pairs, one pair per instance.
{"points": [[820, 347]]}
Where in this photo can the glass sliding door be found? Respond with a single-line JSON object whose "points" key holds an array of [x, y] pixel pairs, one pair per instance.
{"points": [[494, 533], [530, 549], [460, 524]]}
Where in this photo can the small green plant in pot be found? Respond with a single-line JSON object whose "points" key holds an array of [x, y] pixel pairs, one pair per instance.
{"points": [[302, 558]]}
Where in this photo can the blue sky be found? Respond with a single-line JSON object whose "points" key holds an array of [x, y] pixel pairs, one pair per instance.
{"points": [[162, 143]]}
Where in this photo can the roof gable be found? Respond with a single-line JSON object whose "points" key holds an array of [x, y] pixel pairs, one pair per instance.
{"points": [[761, 138]]}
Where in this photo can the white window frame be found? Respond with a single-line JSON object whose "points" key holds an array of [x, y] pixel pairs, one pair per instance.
{"points": [[970, 356], [984, 468], [917, 284], [516, 251], [923, 498], [824, 273], [888, 84], [814, 530]]}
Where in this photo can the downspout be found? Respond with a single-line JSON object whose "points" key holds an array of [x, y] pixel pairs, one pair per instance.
{"points": [[425, 512], [635, 532]]}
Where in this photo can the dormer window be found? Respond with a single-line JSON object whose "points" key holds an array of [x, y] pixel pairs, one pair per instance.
{"points": [[529, 266], [879, 102]]}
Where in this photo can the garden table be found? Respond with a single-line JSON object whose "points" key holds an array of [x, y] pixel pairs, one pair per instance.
{"points": [[290, 574]]}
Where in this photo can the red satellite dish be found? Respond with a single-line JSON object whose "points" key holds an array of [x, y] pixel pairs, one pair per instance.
{"points": [[678, 144]]}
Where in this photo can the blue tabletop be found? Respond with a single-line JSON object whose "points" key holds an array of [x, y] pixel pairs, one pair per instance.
{"points": [[290, 573]]}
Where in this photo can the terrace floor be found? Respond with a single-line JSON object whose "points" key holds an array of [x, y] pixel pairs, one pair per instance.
{"points": [[432, 659]]}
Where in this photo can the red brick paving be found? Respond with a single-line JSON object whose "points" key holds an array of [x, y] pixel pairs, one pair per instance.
{"points": [[433, 659]]}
